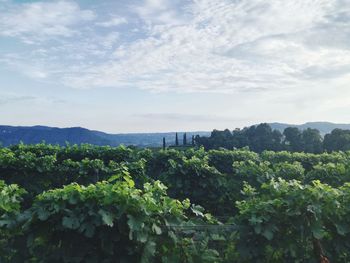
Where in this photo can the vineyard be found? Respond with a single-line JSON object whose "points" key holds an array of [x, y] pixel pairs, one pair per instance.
{"points": [[118, 204]]}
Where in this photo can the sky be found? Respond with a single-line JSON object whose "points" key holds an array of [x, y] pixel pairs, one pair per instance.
{"points": [[173, 65]]}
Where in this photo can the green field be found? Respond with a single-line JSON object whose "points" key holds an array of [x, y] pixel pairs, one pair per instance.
{"points": [[117, 204]]}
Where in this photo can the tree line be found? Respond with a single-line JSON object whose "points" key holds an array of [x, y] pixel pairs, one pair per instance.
{"points": [[262, 137], [185, 142]]}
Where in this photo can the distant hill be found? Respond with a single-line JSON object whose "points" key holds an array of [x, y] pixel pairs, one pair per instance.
{"points": [[10, 135], [323, 127]]}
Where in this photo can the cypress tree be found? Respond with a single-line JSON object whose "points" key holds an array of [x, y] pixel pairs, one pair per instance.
{"points": [[164, 144], [185, 139], [193, 140], [176, 140]]}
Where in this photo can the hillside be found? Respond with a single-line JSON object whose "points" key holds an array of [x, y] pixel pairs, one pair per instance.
{"points": [[10, 135], [36, 134], [323, 127], [76, 135]]}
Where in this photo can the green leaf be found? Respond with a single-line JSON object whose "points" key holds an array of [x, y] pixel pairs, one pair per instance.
{"points": [[43, 214], [130, 182], [255, 220], [135, 223], [114, 178], [257, 229], [342, 229], [142, 236], [268, 234], [70, 222], [317, 230], [148, 252], [107, 217], [73, 199], [156, 229], [88, 230], [197, 210]]}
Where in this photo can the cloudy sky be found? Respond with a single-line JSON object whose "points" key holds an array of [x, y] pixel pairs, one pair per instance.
{"points": [[168, 65]]}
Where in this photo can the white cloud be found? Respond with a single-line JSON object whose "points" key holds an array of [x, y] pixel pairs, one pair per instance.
{"points": [[9, 99], [43, 20], [185, 117], [254, 57], [35, 70], [218, 46], [113, 22], [227, 47], [109, 40], [159, 12]]}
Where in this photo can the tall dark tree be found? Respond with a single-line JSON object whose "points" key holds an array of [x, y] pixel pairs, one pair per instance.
{"points": [[292, 139], [276, 143], [239, 138], [221, 139], [193, 142], [312, 141], [203, 141], [164, 143], [185, 139], [262, 137], [176, 140], [337, 140]]}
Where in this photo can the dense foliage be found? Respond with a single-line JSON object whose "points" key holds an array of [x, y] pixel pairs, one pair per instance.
{"points": [[106, 204], [108, 223], [292, 222], [262, 137], [103, 222]]}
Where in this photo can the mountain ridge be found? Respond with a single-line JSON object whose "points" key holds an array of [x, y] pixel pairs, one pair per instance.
{"points": [[323, 126], [10, 135]]}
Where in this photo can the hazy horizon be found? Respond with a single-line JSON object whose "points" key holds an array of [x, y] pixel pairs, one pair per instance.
{"points": [[181, 131], [160, 65]]}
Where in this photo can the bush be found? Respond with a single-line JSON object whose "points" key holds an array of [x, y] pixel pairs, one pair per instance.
{"points": [[108, 223]]}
